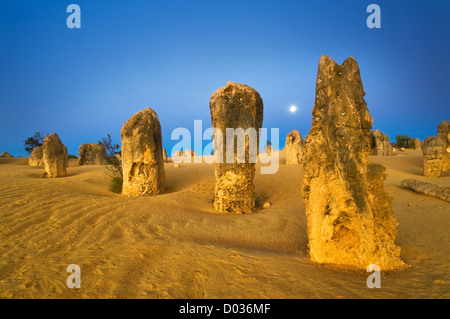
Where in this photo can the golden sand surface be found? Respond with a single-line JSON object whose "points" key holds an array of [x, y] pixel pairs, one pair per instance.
{"points": [[175, 245]]}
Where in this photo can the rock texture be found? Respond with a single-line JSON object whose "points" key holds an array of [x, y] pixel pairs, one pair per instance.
{"points": [[165, 160], [189, 155], [55, 157], [433, 156], [178, 157], [235, 106], [6, 155], [349, 215], [429, 189], [294, 147], [415, 144], [380, 144], [36, 157], [444, 133], [186, 156], [436, 151], [91, 154], [142, 155]]}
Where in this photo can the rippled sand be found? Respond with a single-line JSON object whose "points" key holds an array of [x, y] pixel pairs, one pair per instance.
{"points": [[175, 246]]}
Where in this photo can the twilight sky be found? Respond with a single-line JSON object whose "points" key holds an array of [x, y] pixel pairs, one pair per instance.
{"points": [[172, 55]]}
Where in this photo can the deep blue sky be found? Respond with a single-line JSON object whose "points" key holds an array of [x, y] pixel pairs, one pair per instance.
{"points": [[172, 55]]}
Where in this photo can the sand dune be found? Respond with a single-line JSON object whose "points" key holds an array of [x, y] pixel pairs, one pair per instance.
{"points": [[176, 246]]}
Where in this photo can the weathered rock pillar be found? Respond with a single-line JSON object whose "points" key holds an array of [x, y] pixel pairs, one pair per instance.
{"points": [[444, 133], [294, 148], [36, 157], [142, 155], [415, 144], [380, 144], [349, 215], [165, 156], [55, 157], [239, 107], [433, 156], [91, 154]]}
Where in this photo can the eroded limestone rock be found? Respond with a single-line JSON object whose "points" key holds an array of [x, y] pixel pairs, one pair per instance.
{"points": [[6, 155], [91, 154], [36, 157], [444, 133], [294, 147], [235, 106], [349, 215], [415, 144], [429, 189], [433, 156], [380, 144], [142, 155], [165, 160], [188, 155], [55, 156]]}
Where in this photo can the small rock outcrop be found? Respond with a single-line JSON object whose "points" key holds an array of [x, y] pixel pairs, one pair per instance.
{"points": [[91, 154], [350, 220], [294, 147], [142, 155], [36, 157], [380, 144], [6, 155], [235, 106], [55, 157]]}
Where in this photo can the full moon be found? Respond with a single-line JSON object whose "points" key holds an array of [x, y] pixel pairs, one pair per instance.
{"points": [[292, 109]]}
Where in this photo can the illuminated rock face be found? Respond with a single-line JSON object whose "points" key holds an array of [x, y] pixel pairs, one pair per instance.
{"points": [[429, 189], [189, 155], [235, 106], [380, 144], [55, 156], [165, 156], [444, 133], [142, 155], [36, 157], [91, 154], [294, 148], [349, 215], [436, 152], [433, 156], [415, 144]]}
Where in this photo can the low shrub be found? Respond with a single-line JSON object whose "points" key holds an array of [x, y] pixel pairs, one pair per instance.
{"points": [[116, 185]]}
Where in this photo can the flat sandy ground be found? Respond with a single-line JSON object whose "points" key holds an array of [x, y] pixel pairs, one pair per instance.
{"points": [[175, 246]]}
